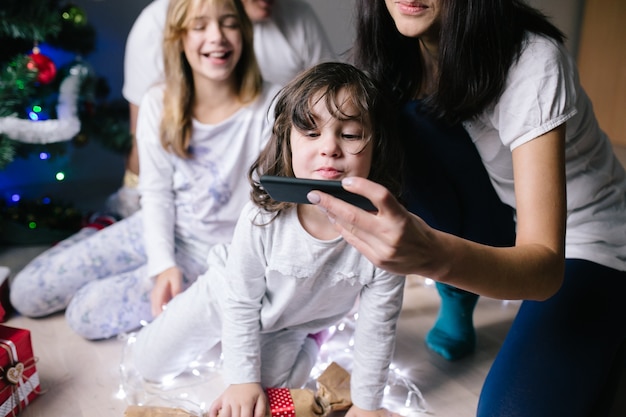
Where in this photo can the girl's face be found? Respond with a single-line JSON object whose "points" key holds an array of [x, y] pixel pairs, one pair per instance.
{"points": [[213, 42], [415, 18], [258, 10], [335, 148]]}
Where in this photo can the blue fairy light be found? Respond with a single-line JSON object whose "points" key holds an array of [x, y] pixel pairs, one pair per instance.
{"points": [[36, 112]]}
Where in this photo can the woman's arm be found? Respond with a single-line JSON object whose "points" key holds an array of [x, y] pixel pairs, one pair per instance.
{"points": [[401, 242]]}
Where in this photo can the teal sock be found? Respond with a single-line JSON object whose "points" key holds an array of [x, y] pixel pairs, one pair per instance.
{"points": [[453, 335]]}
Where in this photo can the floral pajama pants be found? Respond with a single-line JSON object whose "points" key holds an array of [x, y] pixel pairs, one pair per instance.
{"points": [[98, 277]]}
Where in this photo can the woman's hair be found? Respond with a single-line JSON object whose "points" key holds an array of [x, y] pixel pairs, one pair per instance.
{"points": [[479, 41], [178, 98], [293, 109]]}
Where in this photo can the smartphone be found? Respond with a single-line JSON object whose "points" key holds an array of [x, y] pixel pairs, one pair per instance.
{"points": [[294, 190]]}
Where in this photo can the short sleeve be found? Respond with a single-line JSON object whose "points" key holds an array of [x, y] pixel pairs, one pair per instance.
{"points": [[540, 93]]}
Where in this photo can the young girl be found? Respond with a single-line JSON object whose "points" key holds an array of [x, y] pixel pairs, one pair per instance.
{"points": [[288, 38], [199, 132], [287, 272]]}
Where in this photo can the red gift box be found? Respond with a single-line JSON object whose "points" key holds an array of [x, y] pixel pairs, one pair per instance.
{"points": [[19, 381], [281, 402], [5, 304]]}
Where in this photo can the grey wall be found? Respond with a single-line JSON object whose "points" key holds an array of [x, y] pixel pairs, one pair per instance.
{"points": [[566, 15]]}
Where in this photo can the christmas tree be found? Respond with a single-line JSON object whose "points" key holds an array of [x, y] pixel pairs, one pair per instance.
{"points": [[46, 107]]}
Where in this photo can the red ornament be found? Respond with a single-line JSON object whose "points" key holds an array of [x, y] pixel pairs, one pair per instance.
{"points": [[45, 67]]}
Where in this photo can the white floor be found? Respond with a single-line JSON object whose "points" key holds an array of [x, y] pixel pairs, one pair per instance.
{"points": [[82, 378]]}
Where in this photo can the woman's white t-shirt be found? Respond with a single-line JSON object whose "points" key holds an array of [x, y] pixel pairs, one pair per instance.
{"points": [[542, 92]]}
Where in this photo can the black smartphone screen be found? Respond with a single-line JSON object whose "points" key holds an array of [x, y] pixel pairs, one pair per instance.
{"points": [[294, 190]]}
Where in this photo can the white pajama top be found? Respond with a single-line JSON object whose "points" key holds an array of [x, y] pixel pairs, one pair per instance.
{"points": [[194, 203], [280, 277]]}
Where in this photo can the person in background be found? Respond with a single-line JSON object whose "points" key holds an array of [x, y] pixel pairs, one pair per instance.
{"points": [[288, 38], [499, 70], [199, 132], [288, 273]]}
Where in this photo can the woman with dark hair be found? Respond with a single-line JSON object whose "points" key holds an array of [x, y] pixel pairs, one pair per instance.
{"points": [[494, 113]]}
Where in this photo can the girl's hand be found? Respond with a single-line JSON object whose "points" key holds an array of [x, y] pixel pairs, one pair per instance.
{"points": [[392, 239], [166, 286], [240, 400], [355, 411]]}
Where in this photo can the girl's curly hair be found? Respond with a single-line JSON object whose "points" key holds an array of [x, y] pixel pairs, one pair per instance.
{"points": [[293, 110]]}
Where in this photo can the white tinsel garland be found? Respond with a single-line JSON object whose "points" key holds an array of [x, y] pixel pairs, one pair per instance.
{"points": [[65, 127]]}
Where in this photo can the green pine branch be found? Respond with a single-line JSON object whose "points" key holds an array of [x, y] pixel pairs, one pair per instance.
{"points": [[17, 83], [33, 20], [7, 151], [22, 24]]}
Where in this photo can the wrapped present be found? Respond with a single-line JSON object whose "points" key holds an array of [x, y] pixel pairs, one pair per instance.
{"points": [[19, 381], [333, 394], [5, 305]]}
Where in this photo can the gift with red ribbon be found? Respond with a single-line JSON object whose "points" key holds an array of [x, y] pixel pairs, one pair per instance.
{"points": [[333, 394], [5, 305], [19, 381]]}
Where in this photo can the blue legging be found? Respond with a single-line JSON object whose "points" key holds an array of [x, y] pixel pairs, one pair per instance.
{"points": [[558, 354]]}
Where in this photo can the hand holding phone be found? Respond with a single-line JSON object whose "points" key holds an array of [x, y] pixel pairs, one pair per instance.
{"points": [[294, 190]]}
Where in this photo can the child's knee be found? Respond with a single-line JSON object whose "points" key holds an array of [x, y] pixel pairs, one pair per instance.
{"points": [[80, 320], [26, 295], [89, 315], [151, 363]]}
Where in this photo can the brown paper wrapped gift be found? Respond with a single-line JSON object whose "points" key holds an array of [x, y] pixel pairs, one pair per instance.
{"points": [[333, 394]]}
